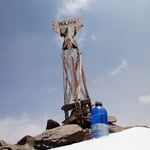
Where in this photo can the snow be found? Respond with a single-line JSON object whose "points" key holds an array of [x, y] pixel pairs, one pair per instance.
{"points": [[136, 138]]}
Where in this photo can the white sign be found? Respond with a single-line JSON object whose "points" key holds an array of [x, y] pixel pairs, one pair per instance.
{"points": [[57, 25]]}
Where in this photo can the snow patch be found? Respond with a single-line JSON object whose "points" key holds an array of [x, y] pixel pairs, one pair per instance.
{"points": [[136, 138]]}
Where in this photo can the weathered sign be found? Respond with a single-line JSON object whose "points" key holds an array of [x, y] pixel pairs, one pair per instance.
{"points": [[75, 22], [74, 81]]}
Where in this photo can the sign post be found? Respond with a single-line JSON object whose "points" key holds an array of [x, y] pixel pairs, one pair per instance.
{"points": [[74, 80]]}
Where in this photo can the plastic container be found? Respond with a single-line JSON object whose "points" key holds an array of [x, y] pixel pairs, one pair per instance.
{"points": [[99, 121]]}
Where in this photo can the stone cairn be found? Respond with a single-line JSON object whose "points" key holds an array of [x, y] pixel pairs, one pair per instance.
{"points": [[57, 135]]}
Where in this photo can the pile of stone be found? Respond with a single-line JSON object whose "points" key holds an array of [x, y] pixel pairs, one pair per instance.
{"points": [[57, 135], [50, 138], [113, 127]]}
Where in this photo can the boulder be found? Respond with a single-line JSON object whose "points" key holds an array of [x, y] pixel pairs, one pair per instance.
{"points": [[8, 147], [112, 119], [115, 128], [87, 134], [112, 126], [26, 140], [59, 136], [2, 143], [52, 124], [5, 146], [17, 147], [26, 143]]}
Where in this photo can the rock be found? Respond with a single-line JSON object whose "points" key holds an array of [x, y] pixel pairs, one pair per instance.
{"points": [[5, 146], [87, 134], [115, 128], [56, 135], [137, 126], [2, 143], [26, 143], [51, 124], [17, 147], [112, 119], [59, 136], [26, 140], [8, 147]]}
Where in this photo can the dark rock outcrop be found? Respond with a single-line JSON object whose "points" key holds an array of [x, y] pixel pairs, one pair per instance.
{"points": [[52, 124]]}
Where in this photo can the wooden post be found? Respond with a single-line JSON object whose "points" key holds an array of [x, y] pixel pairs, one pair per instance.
{"points": [[74, 80]]}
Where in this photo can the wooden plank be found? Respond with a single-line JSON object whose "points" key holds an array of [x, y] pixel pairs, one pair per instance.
{"points": [[60, 24], [72, 105]]}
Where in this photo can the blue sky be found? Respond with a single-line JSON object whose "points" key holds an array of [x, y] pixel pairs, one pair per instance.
{"points": [[115, 46]]}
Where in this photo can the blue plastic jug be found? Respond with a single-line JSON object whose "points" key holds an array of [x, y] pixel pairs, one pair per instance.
{"points": [[99, 121]]}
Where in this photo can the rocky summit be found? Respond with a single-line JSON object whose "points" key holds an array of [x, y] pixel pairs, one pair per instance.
{"points": [[57, 135]]}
